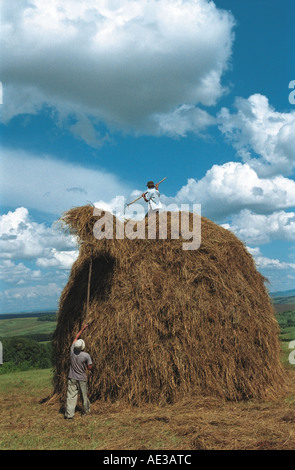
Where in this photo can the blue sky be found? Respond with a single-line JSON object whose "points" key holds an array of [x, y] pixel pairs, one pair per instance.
{"points": [[101, 96]]}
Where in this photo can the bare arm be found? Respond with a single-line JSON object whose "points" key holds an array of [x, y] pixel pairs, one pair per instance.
{"points": [[79, 334], [143, 195]]}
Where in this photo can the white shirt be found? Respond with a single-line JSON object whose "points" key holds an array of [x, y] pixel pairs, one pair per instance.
{"points": [[153, 197]]}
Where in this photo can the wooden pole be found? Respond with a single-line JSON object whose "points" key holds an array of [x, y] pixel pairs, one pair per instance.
{"points": [[88, 290]]}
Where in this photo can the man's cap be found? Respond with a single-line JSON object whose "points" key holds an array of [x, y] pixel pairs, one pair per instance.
{"points": [[79, 344], [150, 184]]}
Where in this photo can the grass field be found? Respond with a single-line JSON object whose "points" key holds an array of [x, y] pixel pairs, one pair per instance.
{"points": [[196, 424], [24, 326]]}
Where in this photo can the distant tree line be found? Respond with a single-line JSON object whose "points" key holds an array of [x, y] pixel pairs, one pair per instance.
{"points": [[286, 319], [33, 351], [40, 337], [49, 317], [23, 353], [8, 316]]}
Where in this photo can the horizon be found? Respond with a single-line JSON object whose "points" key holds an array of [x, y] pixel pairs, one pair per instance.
{"points": [[55, 310]]}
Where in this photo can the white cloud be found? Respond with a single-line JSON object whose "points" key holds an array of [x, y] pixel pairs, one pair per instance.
{"points": [[229, 188], [59, 259], [122, 62], [183, 120], [262, 136], [33, 296], [46, 253], [21, 238], [118, 207], [280, 274], [264, 262], [259, 228], [13, 273], [52, 186]]}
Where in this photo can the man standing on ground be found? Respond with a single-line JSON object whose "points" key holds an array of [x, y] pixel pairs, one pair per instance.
{"points": [[77, 378]]}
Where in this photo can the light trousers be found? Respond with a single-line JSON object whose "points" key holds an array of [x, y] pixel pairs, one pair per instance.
{"points": [[74, 388]]}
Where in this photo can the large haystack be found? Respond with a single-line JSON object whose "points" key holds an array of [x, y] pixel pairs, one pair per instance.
{"points": [[165, 322]]}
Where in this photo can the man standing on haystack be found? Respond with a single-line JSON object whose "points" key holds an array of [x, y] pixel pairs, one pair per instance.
{"points": [[152, 196], [77, 378]]}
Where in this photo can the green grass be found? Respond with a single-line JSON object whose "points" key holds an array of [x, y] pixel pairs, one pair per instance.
{"points": [[28, 422], [24, 326], [286, 322], [288, 334]]}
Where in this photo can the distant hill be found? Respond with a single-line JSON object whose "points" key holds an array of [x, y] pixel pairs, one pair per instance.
{"points": [[286, 298], [11, 316], [28, 325], [283, 293]]}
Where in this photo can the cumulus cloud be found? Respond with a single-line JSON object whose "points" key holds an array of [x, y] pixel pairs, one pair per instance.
{"points": [[263, 137], [58, 259], [130, 64], [264, 262], [31, 255], [17, 273], [21, 238], [278, 273], [260, 228], [184, 120], [229, 188], [38, 296], [52, 186]]}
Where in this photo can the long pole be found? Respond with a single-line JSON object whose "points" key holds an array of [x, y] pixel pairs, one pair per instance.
{"points": [[137, 199], [88, 289]]}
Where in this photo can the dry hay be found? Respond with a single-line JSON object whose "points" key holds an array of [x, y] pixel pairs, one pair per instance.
{"points": [[167, 323]]}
